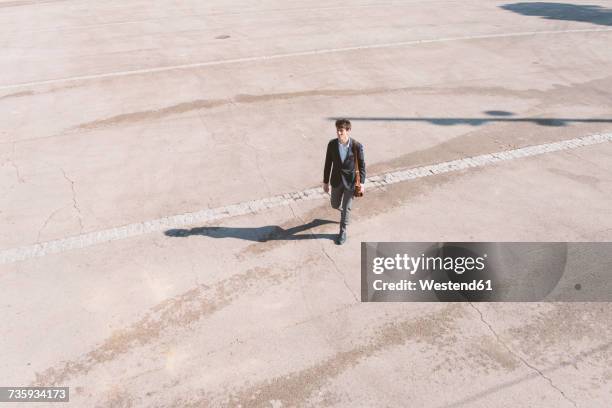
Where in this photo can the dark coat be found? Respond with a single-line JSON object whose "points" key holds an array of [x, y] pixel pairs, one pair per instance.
{"points": [[343, 172]]}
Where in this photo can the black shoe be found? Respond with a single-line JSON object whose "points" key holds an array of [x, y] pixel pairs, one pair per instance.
{"points": [[341, 238]]}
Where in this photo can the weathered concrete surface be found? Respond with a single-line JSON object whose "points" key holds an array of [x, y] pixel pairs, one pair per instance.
{"points": [[199, 320]]}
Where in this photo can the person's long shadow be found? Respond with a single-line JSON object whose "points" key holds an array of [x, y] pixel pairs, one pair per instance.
{"points": [[258, 234], [586, 13]]}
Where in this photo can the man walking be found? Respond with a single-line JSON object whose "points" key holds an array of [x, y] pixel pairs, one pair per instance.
{"points": [[340, 162]]}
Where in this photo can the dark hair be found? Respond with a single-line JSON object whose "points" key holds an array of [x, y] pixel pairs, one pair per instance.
{"points": [[343, 124]]}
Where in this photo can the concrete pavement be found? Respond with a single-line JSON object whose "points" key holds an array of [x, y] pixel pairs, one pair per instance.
{"points": [[118, 113]]}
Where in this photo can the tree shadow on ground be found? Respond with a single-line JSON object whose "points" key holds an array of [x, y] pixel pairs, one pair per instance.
{"points": [[493, 116], [257, 234], [563, 11]]}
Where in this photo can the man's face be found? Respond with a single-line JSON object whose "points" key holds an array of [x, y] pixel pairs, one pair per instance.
{"points": [[343, 135]]}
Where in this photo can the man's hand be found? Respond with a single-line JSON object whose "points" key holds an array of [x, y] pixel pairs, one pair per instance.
{"points": [[326, 187]]}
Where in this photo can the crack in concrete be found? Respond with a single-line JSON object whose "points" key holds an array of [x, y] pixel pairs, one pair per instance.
{"points": [[525, 362], [257, 164], [12, 162], [46, 222], [19, 178], [342, 278], [340, 274], [74, 201], [442, 172]]}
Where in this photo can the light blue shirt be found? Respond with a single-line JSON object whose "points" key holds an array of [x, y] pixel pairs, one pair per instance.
{"points": [[344, 149]]}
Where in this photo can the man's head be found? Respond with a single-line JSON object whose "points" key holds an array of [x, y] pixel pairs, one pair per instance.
{"points": [[343, 127]]}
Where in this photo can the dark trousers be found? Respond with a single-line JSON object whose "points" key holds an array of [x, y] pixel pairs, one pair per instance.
{"points": [[342, 199]]}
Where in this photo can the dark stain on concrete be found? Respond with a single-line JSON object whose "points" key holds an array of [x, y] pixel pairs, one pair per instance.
{"points": [[17, 94], [128, 118], [179, 311], [27, 3], [488, 354], [295, 388], [580, 322], [117, 398], [43, 91], [581, 179], [591, 93], [198, 104]]}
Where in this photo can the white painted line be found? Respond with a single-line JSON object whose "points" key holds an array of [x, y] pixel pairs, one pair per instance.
{"points": [[293, 54], [255, 206], [166, 19]]}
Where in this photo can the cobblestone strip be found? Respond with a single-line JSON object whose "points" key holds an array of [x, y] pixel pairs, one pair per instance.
{"points": [[255, 206]]}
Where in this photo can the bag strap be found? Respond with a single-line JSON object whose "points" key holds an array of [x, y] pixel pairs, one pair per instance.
{"points": [[357, 177]]}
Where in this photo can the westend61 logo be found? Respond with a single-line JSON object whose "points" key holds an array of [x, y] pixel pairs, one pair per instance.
{"points": [[486, 271]]}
